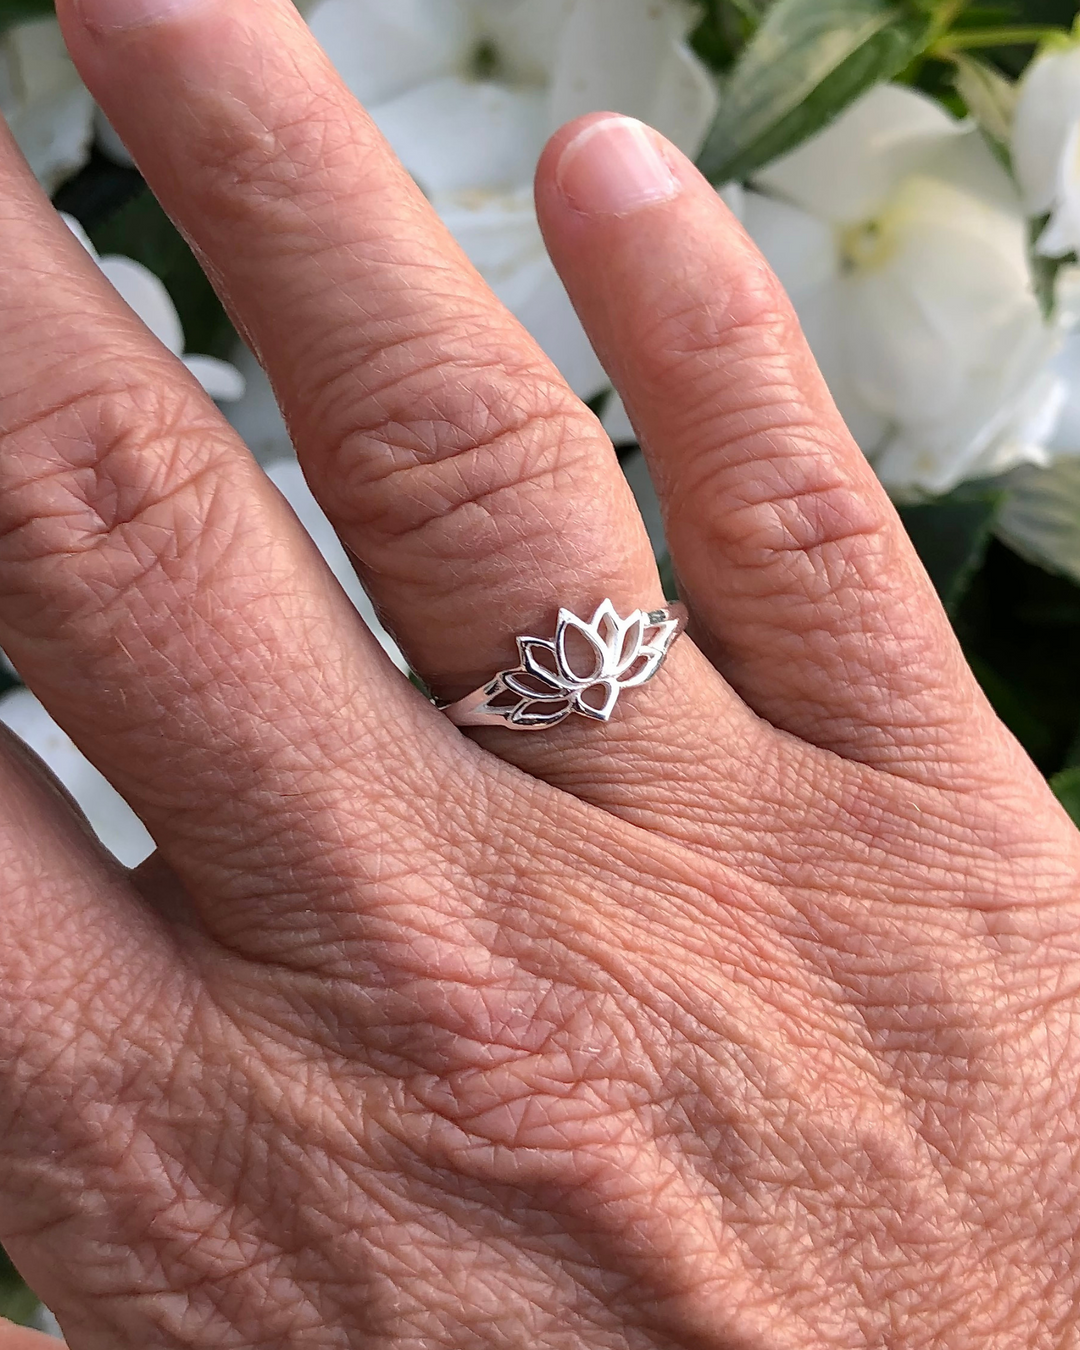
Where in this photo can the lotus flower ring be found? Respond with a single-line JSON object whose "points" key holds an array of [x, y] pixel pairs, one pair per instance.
{"points": [[584, 670]]}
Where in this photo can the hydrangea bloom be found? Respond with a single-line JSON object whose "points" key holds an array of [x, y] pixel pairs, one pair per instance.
{"points": [[902, 242]]}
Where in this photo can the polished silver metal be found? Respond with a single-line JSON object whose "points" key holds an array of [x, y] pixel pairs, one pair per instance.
{"points": [[551, 683]]}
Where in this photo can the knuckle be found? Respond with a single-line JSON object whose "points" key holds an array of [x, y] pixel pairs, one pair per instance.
{"points": [[799, 507], [789, 505], [463, 453], [750, 323], [116, 473]]}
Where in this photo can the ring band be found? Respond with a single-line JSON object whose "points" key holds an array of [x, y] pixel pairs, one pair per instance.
{"points": [[583, 670]]}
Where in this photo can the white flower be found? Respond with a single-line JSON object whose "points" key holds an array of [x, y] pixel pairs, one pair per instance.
{"points": [[47, 106], [147, 296], [468, 91], [1046, 147], [114, 822], [902, 242]]}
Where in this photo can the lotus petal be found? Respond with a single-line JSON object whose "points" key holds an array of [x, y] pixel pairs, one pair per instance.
{"points": [[589, 633], [533, 686], [601, 712], [631, 641], [539, 715], [541, 659]]}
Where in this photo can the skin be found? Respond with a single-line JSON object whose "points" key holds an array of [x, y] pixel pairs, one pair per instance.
{"points": [[748, 1022]]}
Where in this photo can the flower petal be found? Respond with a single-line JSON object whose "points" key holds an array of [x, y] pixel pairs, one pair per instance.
{"points": [[147, 296], [110, 817], [539, 301], [525, 35], [500, 234], [945, 332], [534, 688], [79, 233], [1062, 233], [46, 105], [601, 710], [590, 645], [383, 47], [540, 659], [685, 101], [846, 172], [802, 250], [221, 380], [1048, 108], [1066, 366], [630, 642], [804, 253], [455, 134], [629, 56], [1041, 516], [536, 716]]}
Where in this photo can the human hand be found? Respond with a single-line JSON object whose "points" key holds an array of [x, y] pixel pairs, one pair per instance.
{"points": [[746, 1020]]}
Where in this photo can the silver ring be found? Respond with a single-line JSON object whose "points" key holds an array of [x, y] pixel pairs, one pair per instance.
{"points": [[584, 670]]}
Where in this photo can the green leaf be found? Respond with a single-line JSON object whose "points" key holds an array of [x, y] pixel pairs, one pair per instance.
{"points": [[17, 1302], [1020, 628], [1040, 518], [18, 11], [1067, 790], [951, 535], [807, 62]]}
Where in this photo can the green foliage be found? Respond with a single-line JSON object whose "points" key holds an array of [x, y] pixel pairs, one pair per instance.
{"points": [[1020, 627], [725, 28], [1066, 787], [952, 535], [805, 64], [18, 11], [17, 1303]]}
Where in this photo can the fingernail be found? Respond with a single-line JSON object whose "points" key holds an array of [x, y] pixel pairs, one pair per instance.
{"points": [[614, 167], [112, 15]]}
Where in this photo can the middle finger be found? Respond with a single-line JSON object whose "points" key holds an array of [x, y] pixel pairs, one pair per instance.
{"points": [[476, 492]]}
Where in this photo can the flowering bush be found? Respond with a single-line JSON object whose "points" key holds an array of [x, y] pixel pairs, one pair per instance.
{"points": [[910, 168]]}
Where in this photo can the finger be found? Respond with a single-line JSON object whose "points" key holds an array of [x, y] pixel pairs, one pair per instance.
{"points": [[806, 590], [85, 968], [477, 494], [14, 1337], [165, 606]]}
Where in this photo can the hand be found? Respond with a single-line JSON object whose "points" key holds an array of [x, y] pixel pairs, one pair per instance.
{"points": [[748, 1020]]}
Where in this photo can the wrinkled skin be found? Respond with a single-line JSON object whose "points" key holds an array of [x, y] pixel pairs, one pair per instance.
{"points": [[749, 1020]]}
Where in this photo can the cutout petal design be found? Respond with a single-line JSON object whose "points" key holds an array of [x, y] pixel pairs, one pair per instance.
{"points": [[552, 682]]}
